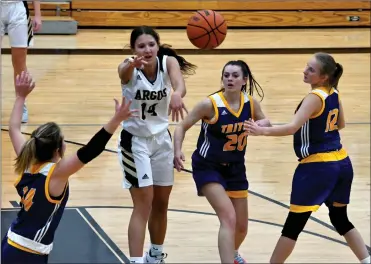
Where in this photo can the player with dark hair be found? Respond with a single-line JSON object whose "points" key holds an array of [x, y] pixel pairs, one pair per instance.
{"points": [[218, 163]]}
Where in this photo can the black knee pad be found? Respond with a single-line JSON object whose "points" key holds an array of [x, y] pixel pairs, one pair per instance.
{"points": [[295, 223], [339, 219]]}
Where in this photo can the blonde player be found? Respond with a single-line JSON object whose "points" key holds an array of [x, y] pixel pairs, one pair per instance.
{"points": [[43, 182], [15, 19], [325, 173]]}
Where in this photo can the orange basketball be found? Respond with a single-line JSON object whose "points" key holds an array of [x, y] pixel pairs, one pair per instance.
{"points": [[206, 29]]}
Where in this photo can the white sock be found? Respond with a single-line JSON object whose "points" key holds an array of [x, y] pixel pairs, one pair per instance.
{"points": [[136, 260], [366, 260], [155, 250], [236, 253]]}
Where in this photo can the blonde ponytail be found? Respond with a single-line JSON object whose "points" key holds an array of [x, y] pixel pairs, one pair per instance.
{"points": [[27, 156]]}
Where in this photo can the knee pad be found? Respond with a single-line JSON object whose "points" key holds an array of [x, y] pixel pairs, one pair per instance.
{"points": [[339, 219], [294, 224]]}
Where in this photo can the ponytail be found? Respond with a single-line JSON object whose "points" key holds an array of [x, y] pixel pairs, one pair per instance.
{"points": [[41, 147], [329, 67], [246, 72], [334, 81], [186, 67], [253, 84], [27, 157]]}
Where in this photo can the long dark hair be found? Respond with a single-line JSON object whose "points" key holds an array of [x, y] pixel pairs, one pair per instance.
{"points": [[329, 67], [186, 67], [246, 72]]}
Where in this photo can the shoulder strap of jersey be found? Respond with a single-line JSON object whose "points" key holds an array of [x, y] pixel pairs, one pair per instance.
{"points": [[338, 93], [322, 95], [43, 169], [214, 98], [249, 98], [163, 66], [47, 169]]}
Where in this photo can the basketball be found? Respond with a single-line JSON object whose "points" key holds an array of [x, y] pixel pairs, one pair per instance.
{"points": [[206, 29]]}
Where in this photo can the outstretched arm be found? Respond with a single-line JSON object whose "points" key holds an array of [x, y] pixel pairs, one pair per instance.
{"points": [[71, 164], [203, 110], [15, 134], [23, 86], [311, 104], [126, 68]]}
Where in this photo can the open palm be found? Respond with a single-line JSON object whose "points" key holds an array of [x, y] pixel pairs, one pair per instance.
{"points": [[24, 84], [123, 111]]}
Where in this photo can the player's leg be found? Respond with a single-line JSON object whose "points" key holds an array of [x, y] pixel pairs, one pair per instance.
{"points": [[337, 204], [157, 224], [241, 208], [311, 186], [142, 199], [223, 207], [237, 190], [20, 36], [210, 183], [163, 180], [135, 162]]}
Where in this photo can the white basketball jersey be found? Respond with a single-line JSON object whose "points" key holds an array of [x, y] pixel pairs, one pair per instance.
{"points": [[152, 100]]}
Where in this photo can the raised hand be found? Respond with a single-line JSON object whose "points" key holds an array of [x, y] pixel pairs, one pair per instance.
{"points": [[24, 84], [123, 111], [138, 62]]}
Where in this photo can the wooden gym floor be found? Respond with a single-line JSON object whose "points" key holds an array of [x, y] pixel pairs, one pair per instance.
{"points": [[77, 91]]}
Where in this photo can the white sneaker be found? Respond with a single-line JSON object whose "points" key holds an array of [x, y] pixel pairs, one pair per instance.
{"points": [[25, 114], [154, 259]]}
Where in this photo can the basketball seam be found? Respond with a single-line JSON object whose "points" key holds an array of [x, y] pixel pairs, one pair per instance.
{"points": [[219, 30], [207, 43], [217, 40], [212, 29], [205, 20], [207, 33]]}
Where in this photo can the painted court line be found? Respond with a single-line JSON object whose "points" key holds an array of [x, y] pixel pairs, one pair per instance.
{"points": [[99, 235], [252, 192], [83, 208]]}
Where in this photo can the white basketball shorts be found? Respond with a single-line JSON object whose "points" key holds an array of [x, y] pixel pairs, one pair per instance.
{"points": [[146, 161], [15, 19]]}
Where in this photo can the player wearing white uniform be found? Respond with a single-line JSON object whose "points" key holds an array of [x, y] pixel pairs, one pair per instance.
{"points": [[147, 155], [145, 148], [15, 19]]}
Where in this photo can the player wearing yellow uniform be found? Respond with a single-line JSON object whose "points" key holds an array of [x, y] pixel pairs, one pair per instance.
{"points": [[218, 163], [325, 172]]}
